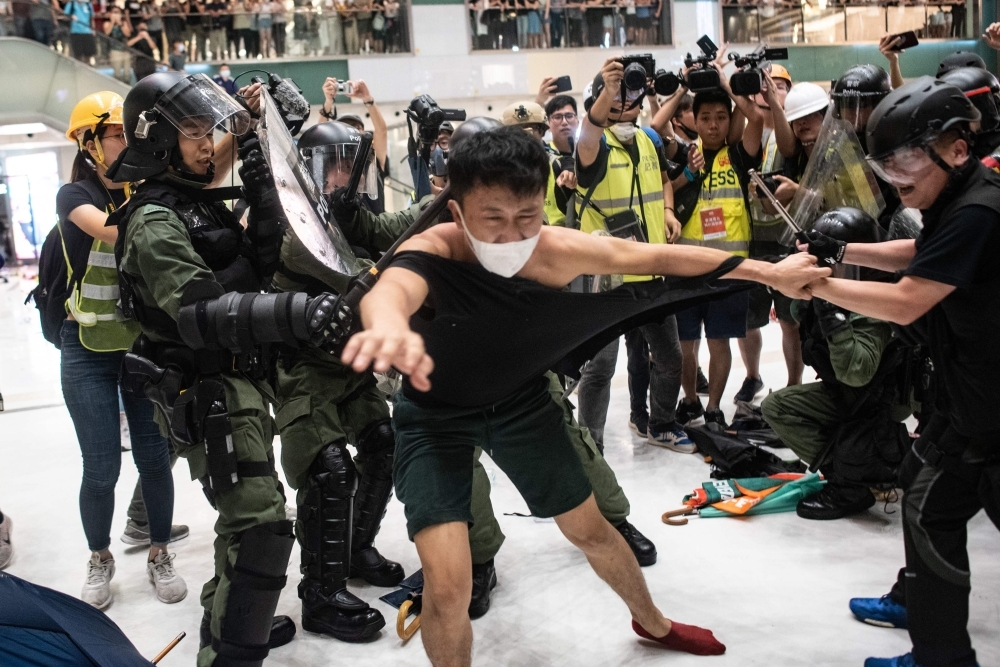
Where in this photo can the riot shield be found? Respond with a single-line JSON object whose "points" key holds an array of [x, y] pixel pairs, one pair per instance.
{"points": [[837, 175], [304, 205]]}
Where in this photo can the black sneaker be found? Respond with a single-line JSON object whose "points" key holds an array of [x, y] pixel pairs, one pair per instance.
{"points": [[715, 420], [702, 386], [751, 387], [688, 412], [639, 424]]}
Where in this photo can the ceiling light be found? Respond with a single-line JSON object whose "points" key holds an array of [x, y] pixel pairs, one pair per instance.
{"points": [[22, 128]]}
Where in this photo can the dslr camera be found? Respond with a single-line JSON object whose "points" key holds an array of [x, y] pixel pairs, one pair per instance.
{"points": [[703, 75], [747, 81], [640, 68], [428, 116]]}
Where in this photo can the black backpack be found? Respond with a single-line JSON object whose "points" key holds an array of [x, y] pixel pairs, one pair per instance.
{"points": [[55, 284]]}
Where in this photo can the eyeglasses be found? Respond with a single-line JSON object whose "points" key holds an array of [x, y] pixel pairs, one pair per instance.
{"points": [[563, 117]]}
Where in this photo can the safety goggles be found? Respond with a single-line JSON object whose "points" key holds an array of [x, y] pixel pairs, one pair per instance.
{"points": [[906, 166]]}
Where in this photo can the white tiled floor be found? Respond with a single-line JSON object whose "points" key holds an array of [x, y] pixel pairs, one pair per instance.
{"points": [[773, 588]]}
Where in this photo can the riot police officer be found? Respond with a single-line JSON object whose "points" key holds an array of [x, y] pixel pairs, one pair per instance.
{"points": [[919, 139], [192, 278]]}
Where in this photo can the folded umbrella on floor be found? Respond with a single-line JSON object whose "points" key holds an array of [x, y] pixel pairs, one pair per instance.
{"points": [[781, 499], [42, 627], [408, 600]]}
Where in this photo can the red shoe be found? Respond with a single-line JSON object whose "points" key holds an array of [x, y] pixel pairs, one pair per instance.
{"points": [[687, 638]]}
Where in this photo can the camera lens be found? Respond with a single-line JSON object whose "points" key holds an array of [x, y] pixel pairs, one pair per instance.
{"points": [[635, 77]]}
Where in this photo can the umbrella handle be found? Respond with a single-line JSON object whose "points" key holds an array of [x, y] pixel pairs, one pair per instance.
{"points": [[402, 629], [669, 517], [169, 647]]}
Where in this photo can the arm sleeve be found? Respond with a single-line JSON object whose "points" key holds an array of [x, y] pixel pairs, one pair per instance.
{"points": [[952, 253], [856, 352], [379, 232], [160, 247], [594, 173]]}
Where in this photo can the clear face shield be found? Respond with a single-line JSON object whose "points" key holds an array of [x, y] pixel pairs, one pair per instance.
{"points": [[331, 167], [905, 167], [197, 106], [855, 108]]}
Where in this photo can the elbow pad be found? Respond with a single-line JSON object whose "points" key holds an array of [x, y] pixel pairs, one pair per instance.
{"points": [[242, 322]]}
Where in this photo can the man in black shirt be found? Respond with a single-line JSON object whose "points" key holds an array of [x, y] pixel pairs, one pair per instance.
{"points": [[949, 300]]}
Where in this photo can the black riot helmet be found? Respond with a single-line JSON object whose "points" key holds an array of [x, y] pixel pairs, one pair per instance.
{"points": [[983, 90], [162, 105], [329, 150], [960, 59], [857, 92], [913, 115], [472, 126], [850, 225]]}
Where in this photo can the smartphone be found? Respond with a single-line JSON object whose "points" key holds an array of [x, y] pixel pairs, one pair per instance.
{"points": [[909, 40], [563, 85]]}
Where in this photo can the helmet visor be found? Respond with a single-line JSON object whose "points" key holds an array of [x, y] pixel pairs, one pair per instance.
{"points": [[197, 106], [904, 167], [855, 109], [331, 167]]}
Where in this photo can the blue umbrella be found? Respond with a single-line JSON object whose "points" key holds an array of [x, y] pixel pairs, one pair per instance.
{"points": [[42, 627]]}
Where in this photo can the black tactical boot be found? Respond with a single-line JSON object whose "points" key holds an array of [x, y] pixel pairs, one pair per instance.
{"points": [[375, 448], [375, 569], [325, 529], [282, 631], [835, 501], [484, 580], [644, 550]]}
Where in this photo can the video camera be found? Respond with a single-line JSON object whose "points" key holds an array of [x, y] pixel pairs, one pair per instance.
{"points": [[428, 116], [292, 104], [703, 75], [748, 80]]}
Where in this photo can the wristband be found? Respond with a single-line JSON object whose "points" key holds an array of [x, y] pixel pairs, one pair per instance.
{"points": [[329, 115], [669, 208], [688, 175], [368, 104]]}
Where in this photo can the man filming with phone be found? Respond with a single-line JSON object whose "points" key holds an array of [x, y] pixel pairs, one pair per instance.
{"points": [[623, 188]]}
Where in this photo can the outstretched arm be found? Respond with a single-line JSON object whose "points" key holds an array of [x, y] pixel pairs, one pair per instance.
{"points": [[387, 339], [584, 254], [903, 302], [588, 148]]}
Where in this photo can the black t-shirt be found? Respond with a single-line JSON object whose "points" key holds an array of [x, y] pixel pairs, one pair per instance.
{"points": [[143, 47], [74, 195], [962, 252], [594, 173]]}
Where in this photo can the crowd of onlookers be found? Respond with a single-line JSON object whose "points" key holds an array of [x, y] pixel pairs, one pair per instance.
{"points": [[176, 32], [537, 24]]}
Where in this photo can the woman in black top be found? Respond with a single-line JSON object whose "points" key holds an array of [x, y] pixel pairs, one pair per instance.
{"points": [[94, 339]]}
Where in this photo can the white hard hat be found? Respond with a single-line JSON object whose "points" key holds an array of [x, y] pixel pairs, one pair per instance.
{"points": [[803, 99]]}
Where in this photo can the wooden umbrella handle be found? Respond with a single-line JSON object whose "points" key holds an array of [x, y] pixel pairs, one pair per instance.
{"points": [[169, 647], [402, 629], [675, 517]]}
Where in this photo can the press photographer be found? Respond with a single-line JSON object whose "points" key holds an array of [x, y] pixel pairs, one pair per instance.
{"points": [[624, 189]]}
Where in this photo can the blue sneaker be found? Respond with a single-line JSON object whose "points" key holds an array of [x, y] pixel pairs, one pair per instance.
{"points": [[898, 661], [673, 437], [883, 612]]}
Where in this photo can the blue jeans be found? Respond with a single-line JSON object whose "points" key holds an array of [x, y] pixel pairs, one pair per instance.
{"points": [[90, 388]]}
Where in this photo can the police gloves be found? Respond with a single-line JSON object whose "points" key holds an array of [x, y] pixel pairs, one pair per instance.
{"points": [[832, 319], [343, 210], [825, 248], [256, 175], [330, 322]]}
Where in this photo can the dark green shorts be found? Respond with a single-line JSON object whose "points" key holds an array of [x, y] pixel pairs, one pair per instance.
{"points": [[525, 434], [761, 299]]}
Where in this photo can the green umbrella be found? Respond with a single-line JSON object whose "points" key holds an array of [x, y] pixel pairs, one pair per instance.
{"points": [[783, 500]]}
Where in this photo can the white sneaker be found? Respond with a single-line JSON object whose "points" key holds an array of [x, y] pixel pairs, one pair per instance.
{"points": [[6, 548], [673, 438], [126, 434], [170, 587], [97, 590]]}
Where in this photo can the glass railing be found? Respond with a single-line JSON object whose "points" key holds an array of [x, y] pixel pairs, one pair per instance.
{"points": [[248, 31], [822, 22], [529, 24]]}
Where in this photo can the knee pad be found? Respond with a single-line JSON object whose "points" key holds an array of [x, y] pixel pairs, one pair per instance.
{"points": [[333, 470], [325, 517], [255, 583], [376, 445]]}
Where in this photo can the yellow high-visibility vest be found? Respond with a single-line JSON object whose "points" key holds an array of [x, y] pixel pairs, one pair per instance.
{"points": [[720, 219], [624, 184], [552, 212]]}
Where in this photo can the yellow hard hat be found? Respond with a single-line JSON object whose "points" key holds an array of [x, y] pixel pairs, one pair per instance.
{"points": [[523, 113], [779, 72], [103, 108]]}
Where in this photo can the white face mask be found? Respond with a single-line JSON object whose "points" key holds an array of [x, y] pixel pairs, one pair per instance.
{"points": [[624, 131], [503, 259], [224, 74]]}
